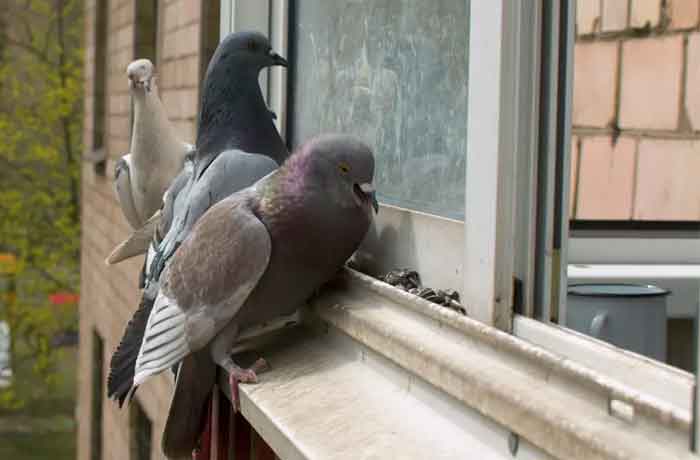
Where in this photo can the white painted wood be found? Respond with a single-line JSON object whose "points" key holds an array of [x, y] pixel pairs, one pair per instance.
{"points": [[651, 377], [544, 258], [634, 250], [564, 148], [328, 396], [405, 372], [491, 136], [400, 238], [648, 271], [279, 34], [529, 63], [225, 18]]}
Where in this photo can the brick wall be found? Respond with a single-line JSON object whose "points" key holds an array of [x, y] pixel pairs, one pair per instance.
{"points": [[636, 111], [110, 294]]}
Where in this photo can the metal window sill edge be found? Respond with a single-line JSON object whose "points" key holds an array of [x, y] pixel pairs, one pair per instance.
{"points": [[364, 333]]}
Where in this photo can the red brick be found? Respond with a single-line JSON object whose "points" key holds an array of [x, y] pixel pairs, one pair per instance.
{"points": [[171, 102], [186, 129], [614, 15], [606, 178], [683, 13], [188, 40], [167, 75], [651, 80], [645, 12], [692, 82], [587, 16], [189, 103], [119, 104], [188, 76], [169, 45], [191, 11], [665, 189], [119, 125], [170, 19], [595, 76]]}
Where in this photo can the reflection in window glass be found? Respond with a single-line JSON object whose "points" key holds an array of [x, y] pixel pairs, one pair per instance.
{"points": [[395, 74]]}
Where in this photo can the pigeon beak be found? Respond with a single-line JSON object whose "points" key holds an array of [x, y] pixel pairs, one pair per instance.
{"points": [[368, 190], [136, 82], [278, 60]]}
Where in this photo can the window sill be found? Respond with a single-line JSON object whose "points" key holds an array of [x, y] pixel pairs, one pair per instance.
{"points": [[376, 370], [666, 384]]}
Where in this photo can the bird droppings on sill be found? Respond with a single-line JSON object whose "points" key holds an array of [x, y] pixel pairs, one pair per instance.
{"points": [[409, 281]]}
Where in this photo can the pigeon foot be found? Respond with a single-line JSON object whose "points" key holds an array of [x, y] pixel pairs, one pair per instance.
{"points": [[238, 375]]}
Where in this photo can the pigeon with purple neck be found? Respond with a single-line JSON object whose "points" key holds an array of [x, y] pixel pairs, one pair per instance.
{"points": [[255, 256]]}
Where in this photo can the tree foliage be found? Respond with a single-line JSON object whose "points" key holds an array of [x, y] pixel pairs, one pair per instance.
{"points": [[41, 90]]}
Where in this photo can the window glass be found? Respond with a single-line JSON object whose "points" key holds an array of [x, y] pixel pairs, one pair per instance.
{"points": [[395, 74]]}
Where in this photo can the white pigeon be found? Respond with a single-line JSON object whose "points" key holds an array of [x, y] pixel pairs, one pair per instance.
{"points": [[157, 155]]}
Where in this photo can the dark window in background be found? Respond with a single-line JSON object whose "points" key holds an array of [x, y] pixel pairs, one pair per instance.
{"points": [[211, 20], [97, 394], [146, 30], [141, 432], [145, 40], [99, 94]]}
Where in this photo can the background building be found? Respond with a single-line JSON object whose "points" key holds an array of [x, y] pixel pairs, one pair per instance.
{"points": [[179, 36]]}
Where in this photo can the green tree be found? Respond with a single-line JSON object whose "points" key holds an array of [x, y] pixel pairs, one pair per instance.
{"points": [[40, 148]]}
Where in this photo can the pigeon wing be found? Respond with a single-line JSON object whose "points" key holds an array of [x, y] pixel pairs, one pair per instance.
{"points": [[206, 283], [122, 188], [137, 243]]}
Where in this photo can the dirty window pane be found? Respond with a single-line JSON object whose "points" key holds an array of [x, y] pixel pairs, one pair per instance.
{"points": [[394, 73]]}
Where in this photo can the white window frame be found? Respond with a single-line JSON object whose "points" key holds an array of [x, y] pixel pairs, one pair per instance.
{"points": [[498, 240]]}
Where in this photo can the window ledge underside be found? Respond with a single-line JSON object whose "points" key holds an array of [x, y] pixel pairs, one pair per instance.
{"points": [[373, 370]]}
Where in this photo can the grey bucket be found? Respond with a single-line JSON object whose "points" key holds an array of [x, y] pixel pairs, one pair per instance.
{"points": [[630, 316]]}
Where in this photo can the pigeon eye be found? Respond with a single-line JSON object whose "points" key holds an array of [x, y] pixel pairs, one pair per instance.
{"points": [[344, 168], [252, 46]]}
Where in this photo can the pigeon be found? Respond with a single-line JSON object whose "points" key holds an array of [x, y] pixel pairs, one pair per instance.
{"points": [[254, 256], [233, 117], [156, 157]]}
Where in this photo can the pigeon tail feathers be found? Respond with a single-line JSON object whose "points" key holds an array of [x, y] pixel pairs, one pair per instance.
{"points": [[121, 374]]}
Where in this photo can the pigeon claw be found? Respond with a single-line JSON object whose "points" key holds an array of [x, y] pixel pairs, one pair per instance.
{"points": [[240, 375], [260, 366]]}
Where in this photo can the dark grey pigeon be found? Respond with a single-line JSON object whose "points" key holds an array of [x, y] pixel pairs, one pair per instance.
{"points": [[236, 117], [255, 256], [234, 114]]}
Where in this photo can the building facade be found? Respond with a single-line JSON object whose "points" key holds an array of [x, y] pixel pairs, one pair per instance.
{"points": [[175, 36]]}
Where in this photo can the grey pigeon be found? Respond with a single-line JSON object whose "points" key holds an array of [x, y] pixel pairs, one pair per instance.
{"points": [[156, 154], [255, 256], [236, 117]]}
